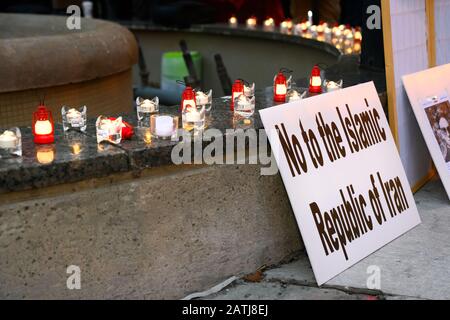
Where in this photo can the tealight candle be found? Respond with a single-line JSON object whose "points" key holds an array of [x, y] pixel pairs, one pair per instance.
{"points": [[73, 118], [11, 143], [333, 86], [8, 140], [286, 26], [251, 23], [109, 130], [294, 95], [204, 99], [144, 108], [233, 22], [244, 106], [269, 24], [163, 126], [249, 91]]}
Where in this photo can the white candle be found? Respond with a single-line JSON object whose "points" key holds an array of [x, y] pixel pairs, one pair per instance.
{"points": [[148, 106], [164, 126], [192, 115], [73, 116], [269, 24], [294, 96], [8, 140], [249, 91], [332, 86], [251, 23], [316, 81], [43, 127], [201, 98], [233, 22], [188, 104]]}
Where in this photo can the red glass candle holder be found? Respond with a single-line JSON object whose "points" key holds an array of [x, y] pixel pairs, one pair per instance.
{"points": [[280, 87], [315, 81], [236, 90], [187, 98], [43, 126]]}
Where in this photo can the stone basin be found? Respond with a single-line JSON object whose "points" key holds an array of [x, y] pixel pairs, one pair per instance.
{"points": [[41, 57]]}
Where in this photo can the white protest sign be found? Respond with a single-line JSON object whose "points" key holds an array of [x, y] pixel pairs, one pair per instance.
{"points": [[343, 176], [430, 101]]}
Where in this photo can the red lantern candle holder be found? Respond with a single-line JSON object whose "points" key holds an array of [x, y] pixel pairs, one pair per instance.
{"points": [[280, 87], [236, 90], [187, 98], [315, 82], [43, 126]]}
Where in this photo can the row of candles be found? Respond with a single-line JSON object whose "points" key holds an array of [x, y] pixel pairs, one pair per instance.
{"points": [[194, 107], [343, 37]]}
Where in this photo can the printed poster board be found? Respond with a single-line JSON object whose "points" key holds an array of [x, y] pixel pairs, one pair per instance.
{"points": [[343, 176], [428, 93]]}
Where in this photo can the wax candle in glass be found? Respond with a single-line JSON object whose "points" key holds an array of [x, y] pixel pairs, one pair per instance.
{"points": [[249, 90], [294, 95], [204, 99], [286, 26], [333, 86], [233, 22], [269, 24], [10, 143], [281, 85], [244, 106], [163, 126], [74, 119], [251, 22], [109, 130], [144, 108], [193, 118]]}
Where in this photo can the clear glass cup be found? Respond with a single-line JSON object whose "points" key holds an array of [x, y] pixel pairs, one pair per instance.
{"points": [[10, 143], [74, 119], [144, 109], [244, 106], [109, 130], [204, 99], [164, 126], [193, 118], [294, 94]]}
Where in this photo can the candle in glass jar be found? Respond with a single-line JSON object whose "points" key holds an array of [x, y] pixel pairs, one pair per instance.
{"points": [[8, 140], [43, 127], [269, 24], [333, 86], [251, 22], [164, 126], [192, 115], [201, 98], [74, 116], [233, 22]]}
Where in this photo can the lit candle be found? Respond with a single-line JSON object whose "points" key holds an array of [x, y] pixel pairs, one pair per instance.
{"points": [[109, 129], [43, 129], [294, 95], [201, 98], [251, 22], [164, 126], [310, 17], [192, 115], [245, 107], [148, 105], [249, 91], [74, 115], [8, 140], [233, 22], [286, 26], [315, 82], [269, 24], [333, 86]]}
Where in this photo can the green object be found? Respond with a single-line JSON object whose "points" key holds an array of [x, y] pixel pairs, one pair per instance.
{"points": [[173, 68]]}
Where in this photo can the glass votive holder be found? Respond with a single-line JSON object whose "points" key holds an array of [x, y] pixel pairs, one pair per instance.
{"points": [[73, 118], [204, 99], [193, 118], [164, 126], [144, 109], [10, 143], [295, 95], [249, 91], [109, 130], [332, 86], [244, 106]]}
